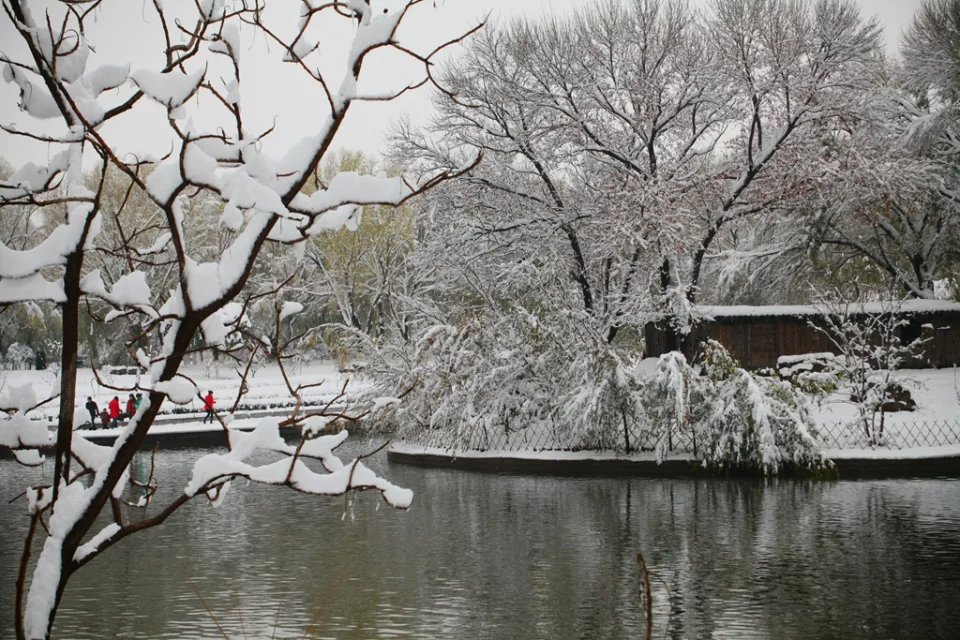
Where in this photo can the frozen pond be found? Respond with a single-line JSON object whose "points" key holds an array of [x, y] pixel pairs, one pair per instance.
{"points": [[509, 556]]}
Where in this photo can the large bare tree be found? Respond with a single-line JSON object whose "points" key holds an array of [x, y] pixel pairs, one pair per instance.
{"points": [[625, 144]]}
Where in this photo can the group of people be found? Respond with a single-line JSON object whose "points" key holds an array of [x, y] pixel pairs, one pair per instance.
{"points": [[111, 416]]}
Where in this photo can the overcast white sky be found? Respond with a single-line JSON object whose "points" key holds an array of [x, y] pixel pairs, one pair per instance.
{"points": [[367, 123]]}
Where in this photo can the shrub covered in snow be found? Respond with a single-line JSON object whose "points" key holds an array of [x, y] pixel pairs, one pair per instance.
{"points": [[19, 356], [486, 383], [667, 397], [603, 400], [750, 421], [516, 385], [466, 382], [729, 417], [871, 346]]}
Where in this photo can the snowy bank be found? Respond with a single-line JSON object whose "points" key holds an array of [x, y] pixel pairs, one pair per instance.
{"points": [[879, 463]]}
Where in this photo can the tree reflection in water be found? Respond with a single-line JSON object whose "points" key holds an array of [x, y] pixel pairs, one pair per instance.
{"points": [[511, 556]]}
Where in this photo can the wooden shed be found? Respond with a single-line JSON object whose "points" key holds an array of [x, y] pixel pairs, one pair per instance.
{"points": [[758, 335]]}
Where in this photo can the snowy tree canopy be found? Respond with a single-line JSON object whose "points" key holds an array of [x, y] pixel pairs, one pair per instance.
{"points": [[640, 157], [624, 168]]}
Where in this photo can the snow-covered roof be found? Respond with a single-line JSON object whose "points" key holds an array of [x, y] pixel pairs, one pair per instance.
{"points": [[907, 306]]}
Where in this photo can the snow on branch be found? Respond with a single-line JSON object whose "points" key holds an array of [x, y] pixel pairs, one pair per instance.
{"points": [[171, 89], [32, 179], [150, 235], [130, 290], [23, 436], [353, 188], [32, 287], [34, 97], [211, 470], [91, 546]]}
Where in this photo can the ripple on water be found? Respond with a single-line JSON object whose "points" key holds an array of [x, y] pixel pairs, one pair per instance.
{"points": [[495, 557]]}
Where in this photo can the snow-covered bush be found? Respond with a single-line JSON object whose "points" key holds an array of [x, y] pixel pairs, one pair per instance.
{"points": [[604, 401], [750, 421], [511, 385], [517, 381], [19, 356], [468, 386], [870, 349], [730, 418], [667, 396], [812, 373]]}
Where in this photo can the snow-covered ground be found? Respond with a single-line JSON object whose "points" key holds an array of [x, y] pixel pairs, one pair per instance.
{"points": [[936, 392], [266, 386], [934, 423]]}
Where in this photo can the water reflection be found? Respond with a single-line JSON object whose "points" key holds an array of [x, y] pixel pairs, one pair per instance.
{"points": [[498, 556]]}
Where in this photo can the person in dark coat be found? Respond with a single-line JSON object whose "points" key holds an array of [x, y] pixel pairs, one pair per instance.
{"points": [[93, 410], [208, 403]]}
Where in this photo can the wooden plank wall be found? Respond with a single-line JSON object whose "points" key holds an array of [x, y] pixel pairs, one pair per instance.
{"points": [[757, 341]]}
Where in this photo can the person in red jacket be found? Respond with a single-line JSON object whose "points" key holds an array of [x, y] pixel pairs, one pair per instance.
{"points": [[208, 403], [131, 406], [114, 408]]}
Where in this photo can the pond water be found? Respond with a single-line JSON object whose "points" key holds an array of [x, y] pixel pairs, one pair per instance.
{"points": [[512, 556]]}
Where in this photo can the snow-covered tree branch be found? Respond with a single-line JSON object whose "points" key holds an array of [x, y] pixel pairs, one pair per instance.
{"points": [[133, 249]]}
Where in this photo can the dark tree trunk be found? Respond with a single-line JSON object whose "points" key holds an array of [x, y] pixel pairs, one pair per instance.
{"points": [[70, 310]]}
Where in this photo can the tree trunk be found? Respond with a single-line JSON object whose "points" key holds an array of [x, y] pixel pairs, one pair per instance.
{"points": [[68, 367]]}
